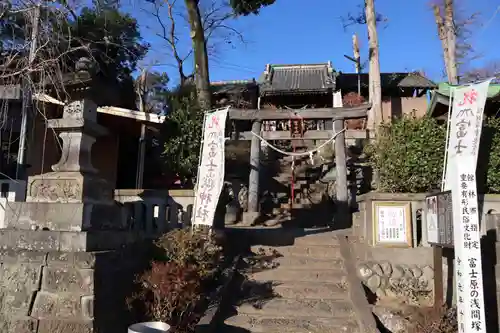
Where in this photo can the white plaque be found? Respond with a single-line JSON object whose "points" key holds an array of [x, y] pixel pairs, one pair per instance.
{"points": [[392, 224], [431, 219]]}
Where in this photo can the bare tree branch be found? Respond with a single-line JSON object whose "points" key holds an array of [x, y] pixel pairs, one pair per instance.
{"points": [[169, 35], [455, 29], [490, 70], [359, 18], [173, 28]]}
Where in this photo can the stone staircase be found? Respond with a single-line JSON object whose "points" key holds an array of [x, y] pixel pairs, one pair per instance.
{"points": [[311, 285], [308, 191]]}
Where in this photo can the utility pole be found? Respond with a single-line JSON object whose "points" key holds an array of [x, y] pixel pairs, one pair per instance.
{"points": [[27, 98], [356, 60]]}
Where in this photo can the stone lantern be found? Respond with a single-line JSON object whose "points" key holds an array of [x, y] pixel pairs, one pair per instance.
{"points": [[73, 197]]}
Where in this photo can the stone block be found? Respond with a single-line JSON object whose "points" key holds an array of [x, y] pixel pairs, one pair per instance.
{"points": [[22, 256], [62, 216], [68, 279], [60, 305], [250, 218], [20, 276], [76, 259], [64, 326], [88, 307], [68, 187], [65, 241], [75, 242], [29, 240], [96, 240], [15, 302], [18, 325]]}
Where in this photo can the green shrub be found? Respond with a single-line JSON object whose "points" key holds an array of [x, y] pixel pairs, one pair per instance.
{"points": [[182, 133], [409, 154]]}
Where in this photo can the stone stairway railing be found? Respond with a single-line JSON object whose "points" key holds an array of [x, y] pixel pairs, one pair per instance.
{"points": [[155, 211]]}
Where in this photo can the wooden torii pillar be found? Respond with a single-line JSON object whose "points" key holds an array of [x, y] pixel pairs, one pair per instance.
{"points": [[337, 115]]}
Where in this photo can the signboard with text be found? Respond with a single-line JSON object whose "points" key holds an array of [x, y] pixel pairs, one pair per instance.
{"points": [[210, 179], [10, 91], [439, 219], [462, 151], [392, 224]]}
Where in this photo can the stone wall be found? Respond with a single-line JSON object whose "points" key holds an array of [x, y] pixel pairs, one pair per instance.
{"points": [[410, 283], [393, 273], [363, 219], [381, 268], [56, 292]]}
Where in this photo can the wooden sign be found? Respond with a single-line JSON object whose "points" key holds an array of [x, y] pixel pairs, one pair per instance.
{"points": [[296, 128], [439, 219], [392, 224], [10, 91]]}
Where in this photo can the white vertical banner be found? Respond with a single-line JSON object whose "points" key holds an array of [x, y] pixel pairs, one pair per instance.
{"points": [[465, 126], [211, 168], [463, 147]]}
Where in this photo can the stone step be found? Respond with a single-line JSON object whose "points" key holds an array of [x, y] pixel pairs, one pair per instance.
{"points": [[328, 238], [296, 205], [266, 237], [300, 307], [278, 324], [293, 262], [318, 252], [300, 275], [307, 290]]}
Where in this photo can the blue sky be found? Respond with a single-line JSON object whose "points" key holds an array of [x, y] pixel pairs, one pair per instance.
{"points": [[291, 31]]}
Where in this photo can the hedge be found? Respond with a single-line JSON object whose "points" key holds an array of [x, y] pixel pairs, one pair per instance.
{"points": [[409, 153]]}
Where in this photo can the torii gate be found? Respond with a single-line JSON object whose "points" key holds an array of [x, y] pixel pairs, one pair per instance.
{"points": [[338, 115]]}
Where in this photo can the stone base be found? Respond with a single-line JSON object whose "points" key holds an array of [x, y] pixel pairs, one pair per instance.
{"points": [[55, 292], [249, 218], [62, 216], [69, 187], [68, 241]]}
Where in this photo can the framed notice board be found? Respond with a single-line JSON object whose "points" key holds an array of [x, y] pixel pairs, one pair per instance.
{"points": [[392, 225]]}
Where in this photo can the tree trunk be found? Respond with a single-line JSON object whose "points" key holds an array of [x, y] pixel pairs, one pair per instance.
{"points": [[375, 89], [202, 78], [452, 41], [444, 39]]}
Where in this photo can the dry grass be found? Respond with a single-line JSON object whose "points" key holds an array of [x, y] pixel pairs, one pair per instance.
{"points": [[432, 320]]}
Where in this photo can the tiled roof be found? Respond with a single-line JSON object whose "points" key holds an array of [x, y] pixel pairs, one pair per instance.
{"points": [[232, 87], [389, 80], [301, 78]]}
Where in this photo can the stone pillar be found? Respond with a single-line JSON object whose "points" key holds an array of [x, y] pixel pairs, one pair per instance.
{"points": [[253, 181]]}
